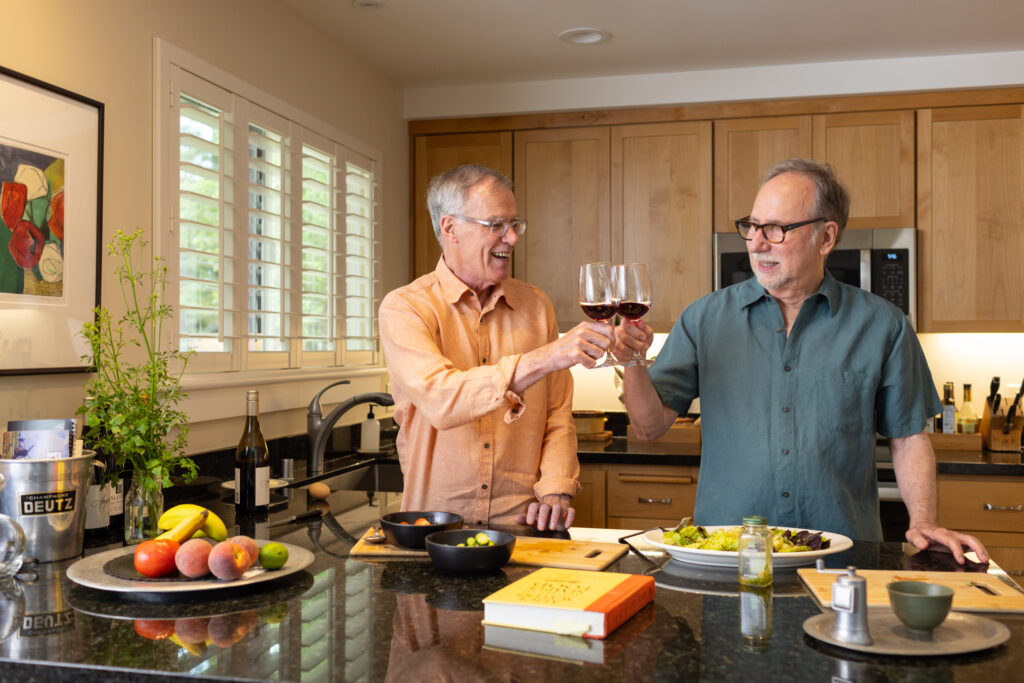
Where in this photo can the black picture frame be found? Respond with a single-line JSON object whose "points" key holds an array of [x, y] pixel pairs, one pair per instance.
{"points": [[40, 330]]}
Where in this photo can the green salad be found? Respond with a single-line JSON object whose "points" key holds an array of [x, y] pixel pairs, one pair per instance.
{"points": [[727, 539]]}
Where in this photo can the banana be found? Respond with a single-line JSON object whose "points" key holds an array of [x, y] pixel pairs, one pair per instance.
{"points": [[196, 649], [213, 527], [183, 530]]}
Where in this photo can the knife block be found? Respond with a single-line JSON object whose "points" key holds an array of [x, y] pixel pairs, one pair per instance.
{"points": [[992, 428]]}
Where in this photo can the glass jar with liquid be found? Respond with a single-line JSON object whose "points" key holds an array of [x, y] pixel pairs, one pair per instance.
{"points": [[755, 552]]}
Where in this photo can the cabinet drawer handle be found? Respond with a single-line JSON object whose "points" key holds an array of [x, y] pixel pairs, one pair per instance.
{"points": [[654, 479], [1010, 508], [661, 501]]}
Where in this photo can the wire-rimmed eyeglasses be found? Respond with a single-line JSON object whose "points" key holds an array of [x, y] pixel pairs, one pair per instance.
{"points": [[497, 227], [773, 233]]}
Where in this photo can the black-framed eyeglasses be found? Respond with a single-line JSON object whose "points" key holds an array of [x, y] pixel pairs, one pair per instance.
{"points": [[773, 233], [497, 227]]}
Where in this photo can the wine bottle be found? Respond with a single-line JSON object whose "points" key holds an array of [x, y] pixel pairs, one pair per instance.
{"points": [[97, 506], [252, 462], [948, 409], [967, 419]]}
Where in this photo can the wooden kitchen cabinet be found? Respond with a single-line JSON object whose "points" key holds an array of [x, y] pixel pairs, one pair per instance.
{"points": [[645, 496], [590, 501], [970, 220], [562, 190], [661, 211], [871, 152], [962, 501], [744, 150], [434, 154]]}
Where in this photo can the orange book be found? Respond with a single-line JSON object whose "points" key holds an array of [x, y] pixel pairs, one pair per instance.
{"points": [[569, 601]]}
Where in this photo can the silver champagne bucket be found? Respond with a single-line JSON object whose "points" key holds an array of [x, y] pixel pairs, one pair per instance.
{"points": [[48, 499]]}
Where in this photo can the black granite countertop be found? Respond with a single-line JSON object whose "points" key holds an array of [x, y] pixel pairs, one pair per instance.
{"points": [[344, 619], [617, 449]]}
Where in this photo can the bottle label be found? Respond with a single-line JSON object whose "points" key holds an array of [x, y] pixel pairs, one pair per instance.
{"points": [[117, 498], [238, 486], [262, 493], [949, 420], [97, 508]]}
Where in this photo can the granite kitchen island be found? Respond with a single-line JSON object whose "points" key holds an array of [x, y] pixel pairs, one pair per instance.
{"points": [[345, 619]]}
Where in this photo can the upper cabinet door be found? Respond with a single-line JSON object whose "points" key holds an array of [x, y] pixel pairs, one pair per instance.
{"points": [[561, 182], [434, 154], [873, 156], [744, 150], [661, 211], [971, 219]]}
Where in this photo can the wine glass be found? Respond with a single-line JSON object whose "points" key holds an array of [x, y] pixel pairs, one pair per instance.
{"points": [[632, 289], [597, 297]]}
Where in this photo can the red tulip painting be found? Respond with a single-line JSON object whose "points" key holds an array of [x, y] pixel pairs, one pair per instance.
{"points": [[32, 215]]}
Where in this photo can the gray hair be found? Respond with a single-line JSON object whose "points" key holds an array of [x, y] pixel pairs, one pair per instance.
{"points": [[447, 191], [831, 201]]}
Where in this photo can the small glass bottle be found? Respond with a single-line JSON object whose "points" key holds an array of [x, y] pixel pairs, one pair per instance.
{"points": [[948, 409], [755, 552], [967, 419]]}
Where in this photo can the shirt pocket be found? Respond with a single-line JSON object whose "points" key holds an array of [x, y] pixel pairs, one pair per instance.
{"points": [[844, 402]]}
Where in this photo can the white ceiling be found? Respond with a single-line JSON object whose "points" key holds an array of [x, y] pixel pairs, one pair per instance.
{"points": [[428, 43]]}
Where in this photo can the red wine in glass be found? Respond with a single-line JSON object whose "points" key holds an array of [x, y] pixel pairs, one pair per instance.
{"points": [[597, 299], [632, 288], [599, 312]]}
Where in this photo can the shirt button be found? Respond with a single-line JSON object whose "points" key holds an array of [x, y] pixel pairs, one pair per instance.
{"points": [[785, 451], [487, 445], [483, 360], [778, 329], [484, 487], [785, 494], [785, 409], [479, 521], [786, 368]]}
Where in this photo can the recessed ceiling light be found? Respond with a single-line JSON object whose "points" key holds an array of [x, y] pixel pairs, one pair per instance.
{"points": [[585, 36], [367, 4]]}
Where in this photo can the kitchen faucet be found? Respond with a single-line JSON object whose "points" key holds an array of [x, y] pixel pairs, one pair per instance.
{"points": [[318, 428]]}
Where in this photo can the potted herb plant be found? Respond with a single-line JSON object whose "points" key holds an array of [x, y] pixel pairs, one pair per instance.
{"points": [[132, 407]]}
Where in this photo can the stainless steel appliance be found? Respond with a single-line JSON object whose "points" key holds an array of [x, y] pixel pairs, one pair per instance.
{"points": [[881, 260]]}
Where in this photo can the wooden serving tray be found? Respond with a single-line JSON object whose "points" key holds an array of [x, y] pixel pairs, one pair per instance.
{"points": [[972, 591], [530, 551]]}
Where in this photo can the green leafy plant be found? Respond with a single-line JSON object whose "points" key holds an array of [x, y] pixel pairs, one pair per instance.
{"points": [[132, 406]]}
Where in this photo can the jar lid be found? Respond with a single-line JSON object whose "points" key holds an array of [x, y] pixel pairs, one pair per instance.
{"points": [[755, 519]]}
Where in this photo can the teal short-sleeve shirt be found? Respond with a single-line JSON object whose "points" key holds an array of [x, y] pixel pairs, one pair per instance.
{"points": [[789, 423]]}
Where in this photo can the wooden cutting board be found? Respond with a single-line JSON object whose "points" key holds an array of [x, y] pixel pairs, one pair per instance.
{"points": [[535, 552], [967, 596]]}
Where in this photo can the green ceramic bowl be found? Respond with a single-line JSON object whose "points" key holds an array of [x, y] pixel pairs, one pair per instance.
{"points": [[921, 606]]}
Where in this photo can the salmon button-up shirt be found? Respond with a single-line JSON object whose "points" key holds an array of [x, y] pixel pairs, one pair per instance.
{"points": [[468, 444]]}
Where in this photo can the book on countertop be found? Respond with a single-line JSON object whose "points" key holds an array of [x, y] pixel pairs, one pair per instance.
{"points": [[570, 602], [38, 439], [600, 651]]}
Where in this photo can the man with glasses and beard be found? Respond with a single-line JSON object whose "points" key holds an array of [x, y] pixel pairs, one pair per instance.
{"points": [[479, 375], [796, 373]]}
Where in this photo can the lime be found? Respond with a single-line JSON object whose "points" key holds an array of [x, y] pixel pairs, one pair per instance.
{"points": [[273, 556]]}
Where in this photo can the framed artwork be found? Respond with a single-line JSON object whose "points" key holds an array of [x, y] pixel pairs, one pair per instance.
{"points": [[51, 175]]}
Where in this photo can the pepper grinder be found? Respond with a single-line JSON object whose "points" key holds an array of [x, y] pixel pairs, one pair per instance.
{"points": [[850, 603]]}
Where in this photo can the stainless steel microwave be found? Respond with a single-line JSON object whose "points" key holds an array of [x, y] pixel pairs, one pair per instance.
{"points": [[881, 260]]}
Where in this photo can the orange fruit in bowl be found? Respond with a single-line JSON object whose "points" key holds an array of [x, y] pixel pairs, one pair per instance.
{"points": [[422, 521]]}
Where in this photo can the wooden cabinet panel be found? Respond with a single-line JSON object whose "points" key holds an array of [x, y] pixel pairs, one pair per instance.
{"points": [[590, 501], [661, 211], [873, 155], [970, 218], [744, 150], [651, 492], [562, 183], [963, 499], [434, 154]]}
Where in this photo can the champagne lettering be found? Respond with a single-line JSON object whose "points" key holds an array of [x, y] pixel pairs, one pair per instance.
{"points": [[48, 503]]}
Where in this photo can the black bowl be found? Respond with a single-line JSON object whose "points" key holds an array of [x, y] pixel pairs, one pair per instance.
{"points": [[411, 535], [443, 548]]}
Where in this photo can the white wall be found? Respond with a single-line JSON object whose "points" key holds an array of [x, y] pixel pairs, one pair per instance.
{"points": [[720, 85], [103, 49]]}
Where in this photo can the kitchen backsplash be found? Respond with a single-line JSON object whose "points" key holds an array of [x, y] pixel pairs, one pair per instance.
{"points": [[956, 358]]}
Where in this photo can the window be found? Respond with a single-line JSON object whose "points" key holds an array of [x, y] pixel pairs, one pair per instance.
{"points": [[276, 230]]}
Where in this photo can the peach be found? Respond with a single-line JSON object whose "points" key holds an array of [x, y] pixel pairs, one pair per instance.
{"points": [[192, 558], [195, 630], [229, 560], [249, 545], [228, 629]]}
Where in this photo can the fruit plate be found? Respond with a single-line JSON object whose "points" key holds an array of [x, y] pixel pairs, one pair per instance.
{"points": [[89, 572], [724, 558]]}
